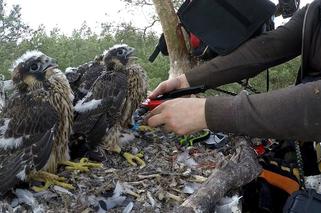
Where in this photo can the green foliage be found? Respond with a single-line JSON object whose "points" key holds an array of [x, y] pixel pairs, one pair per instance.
{"points": [[280, 76], [83, 45], [11, 25]]}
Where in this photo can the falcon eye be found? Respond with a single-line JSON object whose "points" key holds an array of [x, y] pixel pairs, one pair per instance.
{"points": [[120, 52], [34, 67]]}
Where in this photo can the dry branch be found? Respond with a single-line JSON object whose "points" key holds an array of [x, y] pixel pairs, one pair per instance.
{"points": [[242, 168]]}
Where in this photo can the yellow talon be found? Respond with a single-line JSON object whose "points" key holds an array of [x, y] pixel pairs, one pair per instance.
{"points": [[140, 154], [134, 158], [49, 180], [144, 128], [84, 165]]}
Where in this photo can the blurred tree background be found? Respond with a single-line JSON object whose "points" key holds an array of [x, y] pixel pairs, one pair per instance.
{"points": [[84, 44]]}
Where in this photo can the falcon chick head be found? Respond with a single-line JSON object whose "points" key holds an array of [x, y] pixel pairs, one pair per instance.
{"points": [[117, 56], [72, 74], [32, 67]]}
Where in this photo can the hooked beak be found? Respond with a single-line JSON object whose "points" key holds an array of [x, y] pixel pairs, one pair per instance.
{"points": [[130, 52], [52, 63]]}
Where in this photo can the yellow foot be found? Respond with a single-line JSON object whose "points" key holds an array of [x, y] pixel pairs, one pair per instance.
{"points": [[144, 128], [134, 158], [84, 165], [49, 180]]}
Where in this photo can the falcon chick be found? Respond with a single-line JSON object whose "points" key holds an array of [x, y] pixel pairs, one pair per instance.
{"points": [[119, 58], [36, 120], [110, 103], [82, 78], [35, 123]]}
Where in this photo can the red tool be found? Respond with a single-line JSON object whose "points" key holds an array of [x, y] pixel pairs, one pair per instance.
{"points": [[151, 104]]}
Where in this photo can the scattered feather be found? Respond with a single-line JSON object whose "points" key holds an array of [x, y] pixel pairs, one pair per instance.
{"points": [[228, 205], [313, 182], [187, 160], [115, 200], [62, 190], [190, 188], [126, 138], [26, 197], [128, 208], [14, 203], [151, 199]]}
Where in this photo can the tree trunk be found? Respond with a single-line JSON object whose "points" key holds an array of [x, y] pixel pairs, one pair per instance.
{"points": [[178, 54], [242, 168]]}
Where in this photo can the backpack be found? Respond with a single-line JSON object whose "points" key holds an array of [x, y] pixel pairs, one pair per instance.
{"points": [[217, 27]]}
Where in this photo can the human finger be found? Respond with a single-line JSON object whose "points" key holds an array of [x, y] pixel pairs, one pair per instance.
{"points": [[156, 120], [160, 89]]}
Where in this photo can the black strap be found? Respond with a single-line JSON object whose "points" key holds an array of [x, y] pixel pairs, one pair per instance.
{"points": [[154, 55], [267, 80], [161, 47]]}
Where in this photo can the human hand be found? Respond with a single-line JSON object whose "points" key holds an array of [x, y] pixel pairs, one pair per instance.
{"points": [[169, 85], [180, 115]]}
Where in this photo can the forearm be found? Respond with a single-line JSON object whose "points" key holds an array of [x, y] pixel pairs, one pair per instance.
{"points": [[290, 113], [254, 56]]}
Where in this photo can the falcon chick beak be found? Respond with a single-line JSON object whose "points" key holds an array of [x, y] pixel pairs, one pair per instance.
{"points": [[51, 63], [130, 51]]}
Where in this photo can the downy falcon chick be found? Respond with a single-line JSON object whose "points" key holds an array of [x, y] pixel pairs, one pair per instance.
{"points": [[36, 121], [113, 98], [81, 78]]}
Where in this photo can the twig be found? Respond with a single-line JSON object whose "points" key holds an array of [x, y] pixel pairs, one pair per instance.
{"points": [[148, 176]]}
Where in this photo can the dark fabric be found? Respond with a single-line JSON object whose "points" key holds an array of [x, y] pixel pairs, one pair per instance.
{"points": [[289, 113], [228, 23], [270, 49], [260, 196]]}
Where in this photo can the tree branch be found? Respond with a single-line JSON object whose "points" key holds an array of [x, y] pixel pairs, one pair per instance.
{"points": [[242, 168], [178, 54]]}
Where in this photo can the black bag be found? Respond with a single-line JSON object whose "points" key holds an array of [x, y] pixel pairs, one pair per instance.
{"points": [[221, 25], [287, 8], [225, 24], [303, 201]]}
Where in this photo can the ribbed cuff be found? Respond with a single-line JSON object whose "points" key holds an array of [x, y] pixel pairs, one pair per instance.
{"points": [[220, 114]]}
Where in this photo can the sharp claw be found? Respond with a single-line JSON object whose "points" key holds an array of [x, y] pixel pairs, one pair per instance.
{"points": [[132, 162], [64, 185], [81, 169], [49, 179], [43, 188], [144, 128], [82, 166], [131, 158]]}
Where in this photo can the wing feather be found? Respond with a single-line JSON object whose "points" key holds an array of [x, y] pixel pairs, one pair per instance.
{"points": [[111, 89], [30, 120]]}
